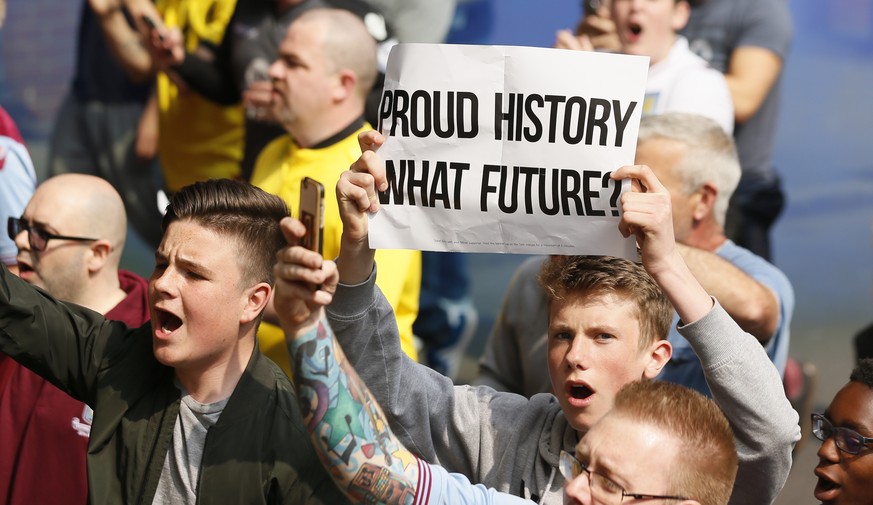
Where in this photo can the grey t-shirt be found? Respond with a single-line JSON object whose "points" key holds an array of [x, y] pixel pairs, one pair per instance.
{"points": [[715, 30], [181, 474]]}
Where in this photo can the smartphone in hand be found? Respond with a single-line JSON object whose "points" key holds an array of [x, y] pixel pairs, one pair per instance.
{"points": [[590, 7], [312, 213]]}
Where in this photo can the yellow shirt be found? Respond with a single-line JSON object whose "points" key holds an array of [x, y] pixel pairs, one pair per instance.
{"points": [[279, 169], [199, 139]]}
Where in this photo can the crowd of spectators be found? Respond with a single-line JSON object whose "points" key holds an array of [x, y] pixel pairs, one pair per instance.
{"points": [[229, 374]]}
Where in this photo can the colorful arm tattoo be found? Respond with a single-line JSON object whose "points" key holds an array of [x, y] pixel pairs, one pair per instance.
{"points": [[347, 426]]}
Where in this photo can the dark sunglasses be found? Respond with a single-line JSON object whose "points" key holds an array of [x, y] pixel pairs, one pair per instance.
{"points": [[37, 236]]}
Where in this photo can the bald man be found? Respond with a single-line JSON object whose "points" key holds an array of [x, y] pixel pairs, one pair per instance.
{"points": [[70, 239], [325, 69]]}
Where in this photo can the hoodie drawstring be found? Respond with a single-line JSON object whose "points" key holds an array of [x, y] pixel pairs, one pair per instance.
{"points": [[548, 487]]}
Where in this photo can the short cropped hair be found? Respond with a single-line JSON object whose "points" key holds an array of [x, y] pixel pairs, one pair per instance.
{"points": [[863, 373], [707, 465], [347, 44], [711, 154], [238, 210], [586, 276]]}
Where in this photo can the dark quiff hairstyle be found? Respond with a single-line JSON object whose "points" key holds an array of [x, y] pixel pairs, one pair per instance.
{"points": [[707, 461], [239, 210], [863, 373], [564, 277]]}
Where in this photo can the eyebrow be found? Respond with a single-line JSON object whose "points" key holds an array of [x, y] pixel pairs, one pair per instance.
{"points": [[42, 224], [558, 327], [586, 330], [185, 263], [293, 57], [862, 429], [605, 468]]}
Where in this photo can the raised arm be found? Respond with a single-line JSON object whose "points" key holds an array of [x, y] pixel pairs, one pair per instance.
{"points": [[356, 194], [346, 424], [600, 29], [743, 380], [348, 429], [124, 41], [209, 74], [65, 344], [365, 324], [442, 423], [647, 214]]}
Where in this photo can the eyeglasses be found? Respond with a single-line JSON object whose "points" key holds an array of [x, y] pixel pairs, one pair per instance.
{"points": [[37, 236], [847, 440], [603, 490]]}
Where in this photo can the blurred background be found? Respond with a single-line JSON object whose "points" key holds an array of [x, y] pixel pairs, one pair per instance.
{"points": [[824, 153]]}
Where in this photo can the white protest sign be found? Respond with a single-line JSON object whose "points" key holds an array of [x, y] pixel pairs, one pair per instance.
{"points": [[506, 149]]}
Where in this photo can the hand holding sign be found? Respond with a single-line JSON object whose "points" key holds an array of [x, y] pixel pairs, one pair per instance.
{"points": [[647, 214], [356, 193]]}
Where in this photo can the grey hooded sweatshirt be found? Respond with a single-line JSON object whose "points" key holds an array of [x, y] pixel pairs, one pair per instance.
{"points": [[511, 443]]}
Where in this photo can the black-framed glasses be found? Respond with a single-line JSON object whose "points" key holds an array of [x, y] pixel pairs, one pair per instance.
{"points": [[603, 489], [847, 440], [37, 236]]}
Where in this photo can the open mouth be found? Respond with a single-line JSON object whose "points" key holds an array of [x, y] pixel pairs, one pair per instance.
{"points": [[579, 394], [24, 268], [167, 322], [825, 489], [633, 33]]}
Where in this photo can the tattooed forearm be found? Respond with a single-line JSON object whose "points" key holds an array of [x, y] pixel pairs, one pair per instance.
{"points": [[348, 428]]}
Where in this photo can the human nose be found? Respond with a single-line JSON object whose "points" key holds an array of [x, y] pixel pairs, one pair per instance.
{"points": [[164, 280], [828, 450], [276, 70], [22, 240], [578, 490], [577, 354]]}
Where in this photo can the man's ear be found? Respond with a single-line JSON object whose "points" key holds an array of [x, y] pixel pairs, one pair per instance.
{"points": [[348, 81], [256, 299], [660, 353], [706, 201], [99, 255], [681, 13]]}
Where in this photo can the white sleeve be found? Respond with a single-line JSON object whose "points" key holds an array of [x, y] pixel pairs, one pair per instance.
{"points": [[436, 486]]}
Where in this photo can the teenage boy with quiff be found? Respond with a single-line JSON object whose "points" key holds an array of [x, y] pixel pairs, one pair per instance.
{"points": [[186, 409]]}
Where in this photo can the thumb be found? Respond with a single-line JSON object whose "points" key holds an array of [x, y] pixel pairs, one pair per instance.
{"points": [[292, 229]]}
